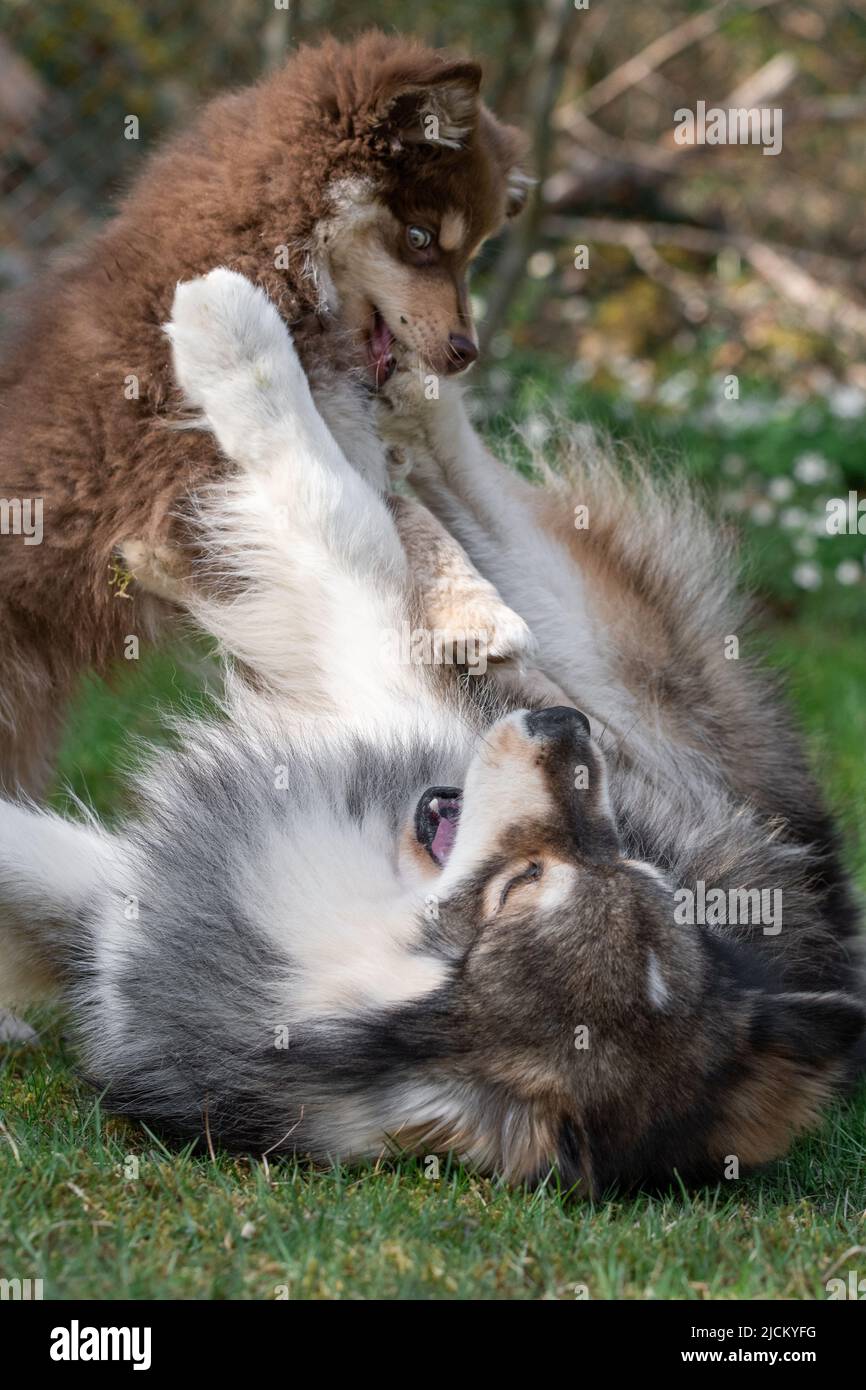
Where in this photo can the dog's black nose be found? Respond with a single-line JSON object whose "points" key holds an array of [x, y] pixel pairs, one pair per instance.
{"points": [[462, 352], [557, 722]]}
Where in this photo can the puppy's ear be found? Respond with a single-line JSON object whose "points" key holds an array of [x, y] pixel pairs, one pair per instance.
{"points": [[511, 151], [438, 106], [800, 1050], [517, 191]]}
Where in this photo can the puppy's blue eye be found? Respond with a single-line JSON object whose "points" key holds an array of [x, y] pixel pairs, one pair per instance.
{"points": [[419, 238]]}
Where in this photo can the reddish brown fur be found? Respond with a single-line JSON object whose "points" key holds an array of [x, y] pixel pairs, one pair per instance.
{"points": [[250, 176]]}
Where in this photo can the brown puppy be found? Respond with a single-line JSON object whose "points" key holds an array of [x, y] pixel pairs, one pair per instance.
{"points": [[355, 185]]}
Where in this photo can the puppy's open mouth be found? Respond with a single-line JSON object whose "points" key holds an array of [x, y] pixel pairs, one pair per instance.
{"points": [[436, 819], [380, 358]]}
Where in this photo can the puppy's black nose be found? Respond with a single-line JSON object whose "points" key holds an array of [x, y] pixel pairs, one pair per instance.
{"points": [[462, 352], [557, 722]]}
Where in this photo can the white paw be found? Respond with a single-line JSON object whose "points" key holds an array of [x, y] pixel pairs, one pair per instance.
{"points": [[471, 606], [232, 352], [15, 1030], [509, 636], [506, 635]]}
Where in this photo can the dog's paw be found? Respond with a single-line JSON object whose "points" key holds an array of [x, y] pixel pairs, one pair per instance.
{"points": [[233, 355], [470, 609], [15, 1030], [159, 569], [509, 637]]}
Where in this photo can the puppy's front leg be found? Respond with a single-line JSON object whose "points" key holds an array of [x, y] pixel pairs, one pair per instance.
{"points": [[474, 494], [454, 599], [489, 512]]}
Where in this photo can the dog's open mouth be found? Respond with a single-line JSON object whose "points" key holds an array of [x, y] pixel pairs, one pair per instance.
{"points": [[380, 358], [436, 820]]}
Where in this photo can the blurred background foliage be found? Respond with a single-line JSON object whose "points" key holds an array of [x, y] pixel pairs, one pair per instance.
{"points": [[704, 262]]}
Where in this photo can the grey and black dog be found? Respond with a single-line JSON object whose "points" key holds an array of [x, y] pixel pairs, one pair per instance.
{"points": [[380, 902]]}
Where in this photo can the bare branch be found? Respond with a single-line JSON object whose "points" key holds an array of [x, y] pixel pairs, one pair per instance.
{"points": [[765, 85], [826, 309], [638, 68], [548, 73]]}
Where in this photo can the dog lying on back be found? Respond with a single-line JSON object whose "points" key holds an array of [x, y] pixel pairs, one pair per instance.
{"points": [[382, 904], [356, 186]]}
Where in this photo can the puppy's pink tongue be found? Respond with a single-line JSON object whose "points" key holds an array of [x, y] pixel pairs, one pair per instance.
{"points": [[379, 355]]}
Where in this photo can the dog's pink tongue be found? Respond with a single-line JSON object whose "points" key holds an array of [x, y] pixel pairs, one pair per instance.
{"points": [[443, 840]]}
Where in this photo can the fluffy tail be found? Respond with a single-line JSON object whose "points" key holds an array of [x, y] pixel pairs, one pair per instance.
{"points": [[50, 871]]}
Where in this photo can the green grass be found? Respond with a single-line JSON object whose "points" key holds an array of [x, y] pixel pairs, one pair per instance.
{"points": [[191, 1228], [97, 1207]]}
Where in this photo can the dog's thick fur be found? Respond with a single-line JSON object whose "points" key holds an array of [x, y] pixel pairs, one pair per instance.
{"points": [[306, 183], [275, 955]]}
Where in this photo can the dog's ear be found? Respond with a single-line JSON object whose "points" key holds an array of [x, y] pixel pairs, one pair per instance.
{"points": [[512, 148], [800, 1049], [789, 1055], [438, 106]]}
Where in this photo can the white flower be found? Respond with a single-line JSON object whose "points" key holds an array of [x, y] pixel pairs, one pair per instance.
{"points": [[848, 403], [849, 572], [805, 544], [806, 576], [780, 489], [733, 465], [677, 389], [540, 265], [811, 468], [762, 513], [793, 518]]}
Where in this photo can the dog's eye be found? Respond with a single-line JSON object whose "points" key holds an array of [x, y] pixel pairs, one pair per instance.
{"points": [[529, 874], [419, 238]]}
